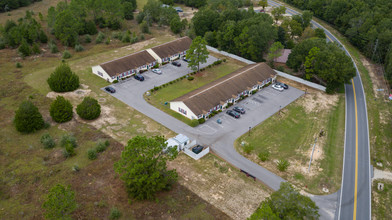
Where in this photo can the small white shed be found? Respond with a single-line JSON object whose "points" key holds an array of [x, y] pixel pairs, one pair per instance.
{"points": [[180, 141]]}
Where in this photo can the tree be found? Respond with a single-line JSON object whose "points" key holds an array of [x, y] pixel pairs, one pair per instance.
{"points": [[63, 79], [197, 53], [24, 49], [310, 62], [176, 25], [286, 203], [61, 110], [263, 3], [128, 8], [142, 166], [27, 118], [89, 109], [275, 51], [59, 203], [66, 28], [320, 33], [278, 12], [144, 27]]}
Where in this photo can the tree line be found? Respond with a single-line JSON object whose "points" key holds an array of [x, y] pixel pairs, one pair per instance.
{"points": [[367, 24], [8, 5]]}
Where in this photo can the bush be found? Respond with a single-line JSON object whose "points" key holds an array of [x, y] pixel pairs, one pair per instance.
{"points": [[24, 49], [18, 65], [201, 120], [283, 164], [63, 79], [126, 38], [68, 139], [47, 141], [27, 118], [115, 81], [248, 148], [61, 110], [79, 48], [42, 37], [100, 38], [92, 154], [101, 146], [69, 151], [144, 27], [194, 123], [53, 48], [115, 214], [35, 49], [75, 168], [66, 54], [89, 109], [190, 78], [264, 155], [87, 39], [107, 42], [141, 36]]}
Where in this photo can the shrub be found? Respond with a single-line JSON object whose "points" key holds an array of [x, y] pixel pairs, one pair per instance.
{"points": [[42, 37], [283, 164], [92, 154], [194, 123], [87, 39], [156, 66], [53, 48], [61, 110], [248, 148], [190, 78], [107, 42], [144, 27], [68, 139], [24, 49], [115, 81], [126, 38], [141, 36], [66, 54], [114, 214], [63, 79], [18, 65], [201, 120], [75, 168], [101, 146], [100, 38], [47, 141], [264, 155], [69, 151], [35, 49], [89, 109], [27, 118], [253, 92], [79, 48]]}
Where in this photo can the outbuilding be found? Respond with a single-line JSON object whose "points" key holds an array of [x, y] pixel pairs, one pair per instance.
{"points": [[180, 141]]}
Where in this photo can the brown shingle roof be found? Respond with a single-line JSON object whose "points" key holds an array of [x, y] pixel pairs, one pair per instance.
{"points": [[127, 63], [284, 57], [210, 95], [173, 47]]}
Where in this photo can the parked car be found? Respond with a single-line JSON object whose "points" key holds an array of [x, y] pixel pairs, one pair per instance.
{"points": [[139, 77], [175, 63], [110, 89], [277, 87], [185, 59], [157, 71], [197, 149], [233, 113], [285, 86], [239, 109]]}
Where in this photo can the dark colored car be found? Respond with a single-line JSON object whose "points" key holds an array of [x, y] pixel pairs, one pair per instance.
{"points": [[285, 86], [110, 89], [139, 77], [197, 149], [233, 113], [175, 63], [185, 59], [239, 110]]}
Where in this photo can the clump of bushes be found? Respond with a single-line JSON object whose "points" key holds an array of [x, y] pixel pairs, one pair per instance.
{"points": [[264, 155], [68, 142], [27, 118], [66, 54], [201, 120], [190, 78], [53, 47], [194, 123], [63, 79], [101, 146], [87, 39], [79, 48], [100, 38], [92, 154], [61, 110], [18, 65], [283, 164], [47, 141], [89, 109], [115, 214]]}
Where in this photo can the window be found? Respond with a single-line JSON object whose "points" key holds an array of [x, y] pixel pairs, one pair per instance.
{"points": [[182, 110]]}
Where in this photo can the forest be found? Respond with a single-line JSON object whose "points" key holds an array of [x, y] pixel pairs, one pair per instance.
{"points": [[366, 23], [8, 5]]}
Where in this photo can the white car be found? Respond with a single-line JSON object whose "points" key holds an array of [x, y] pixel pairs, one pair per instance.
{"points": [[157, 71], [278, 87]]}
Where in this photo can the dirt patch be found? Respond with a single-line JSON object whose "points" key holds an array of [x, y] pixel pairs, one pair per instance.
{"points": [[380, 87], [74, 95], [221, 185]]}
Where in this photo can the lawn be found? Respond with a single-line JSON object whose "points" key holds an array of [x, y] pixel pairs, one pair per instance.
{"points": [[381, 200], [184, 86], [290, 135]]}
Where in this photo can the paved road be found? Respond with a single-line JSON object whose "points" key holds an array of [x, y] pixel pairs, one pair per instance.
{"points": [[355, 198]]}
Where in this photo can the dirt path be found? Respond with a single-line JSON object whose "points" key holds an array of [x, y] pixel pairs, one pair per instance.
{"points": [[382, 174]]}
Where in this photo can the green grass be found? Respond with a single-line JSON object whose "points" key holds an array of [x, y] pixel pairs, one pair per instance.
{"points": [[184, 86], [291, 133], [381, 200]]}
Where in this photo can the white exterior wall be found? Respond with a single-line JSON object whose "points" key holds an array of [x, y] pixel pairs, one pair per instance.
{"points": [[104, 75], [175, 107]]}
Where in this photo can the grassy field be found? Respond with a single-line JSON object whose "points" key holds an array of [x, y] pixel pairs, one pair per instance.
{"points": [[290, 135], [381, 200], [184, 86]]}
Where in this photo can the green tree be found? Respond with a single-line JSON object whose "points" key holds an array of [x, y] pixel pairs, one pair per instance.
{"points": [[143, 169], [144, 27], [176, 25], [89, 109], [67, 27], [197, 53], [278, 12], [24, 49], [310, 62], [59, 203], [275, 51], [128, 8], [263, 3], [61, 110], [320, 33], [27, 118], [286, 203], [63, 79]]}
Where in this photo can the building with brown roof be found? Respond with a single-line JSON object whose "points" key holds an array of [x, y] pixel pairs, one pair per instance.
{"points": [[171, 50], [125, 66], [228, 89], [283, 58]]}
